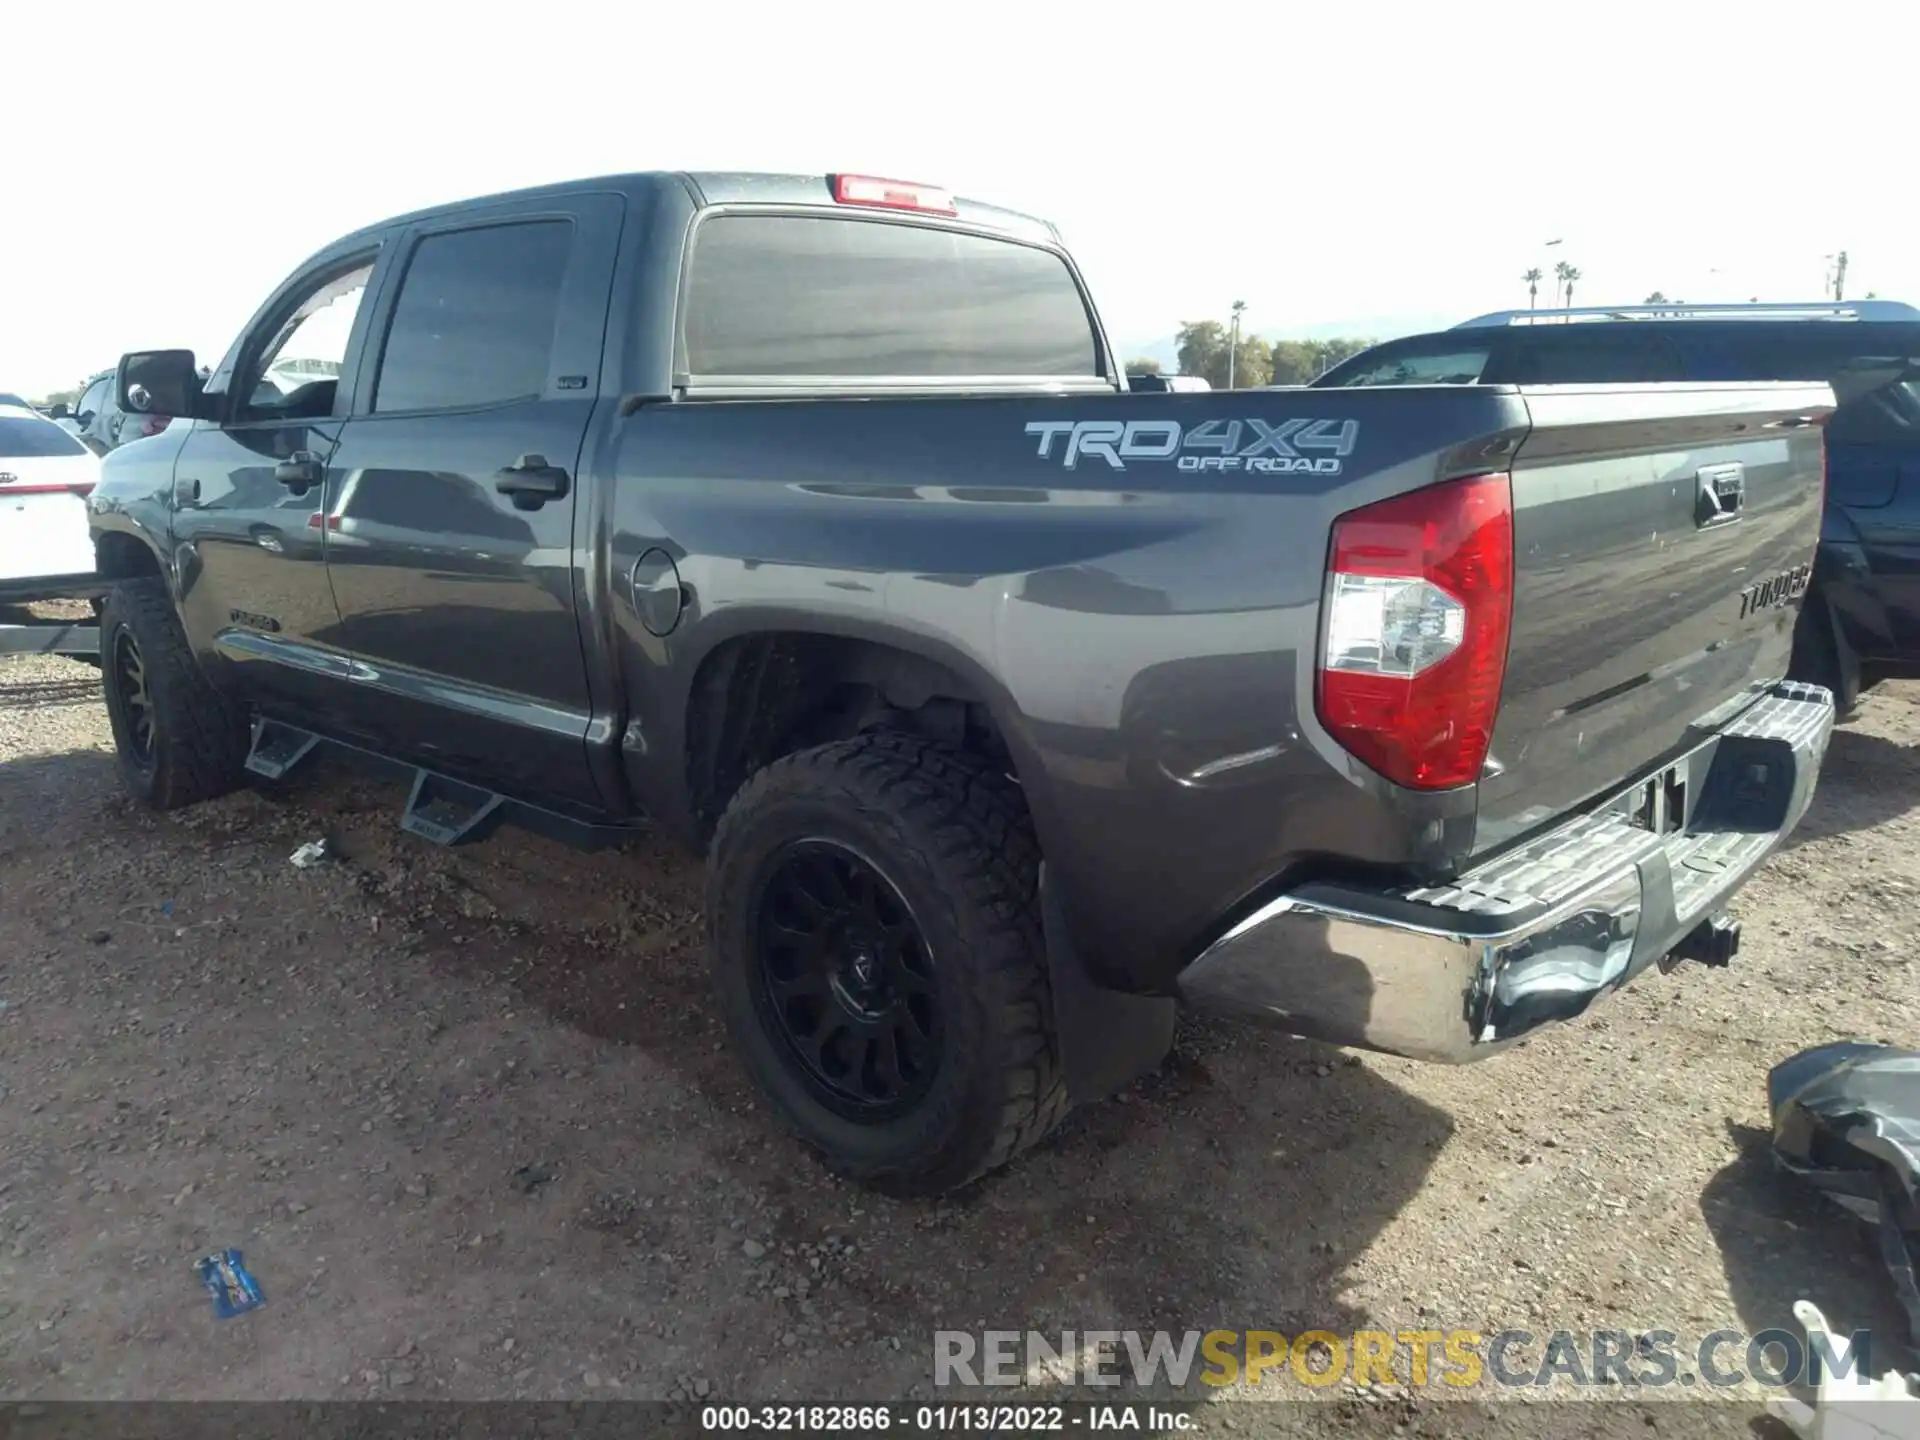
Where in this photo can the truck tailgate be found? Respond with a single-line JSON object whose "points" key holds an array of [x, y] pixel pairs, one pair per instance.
{"points": [[1662, 538]]}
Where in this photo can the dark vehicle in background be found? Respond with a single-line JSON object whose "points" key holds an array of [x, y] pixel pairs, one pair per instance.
{"points": [[100, 421], [1168, 384], [1861, 620], [811, 520]]}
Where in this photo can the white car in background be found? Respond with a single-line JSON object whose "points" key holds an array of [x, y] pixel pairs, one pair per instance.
{"points": [[46, 551]]}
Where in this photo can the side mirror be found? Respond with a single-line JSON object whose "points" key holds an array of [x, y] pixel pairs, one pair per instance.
{"points": [[158, 382], [84, 418], [58, 411]]}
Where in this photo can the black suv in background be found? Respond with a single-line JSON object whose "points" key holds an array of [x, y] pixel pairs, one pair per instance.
{"points": [[1861, 622]]}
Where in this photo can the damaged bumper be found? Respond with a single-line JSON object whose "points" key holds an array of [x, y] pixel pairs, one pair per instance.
{"points": [[1538, 934]]}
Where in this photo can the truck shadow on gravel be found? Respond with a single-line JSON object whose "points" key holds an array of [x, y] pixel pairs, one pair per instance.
{"points": [[1780, 1243], [1231, 1190], [1227, 1191], [1865, 781]]}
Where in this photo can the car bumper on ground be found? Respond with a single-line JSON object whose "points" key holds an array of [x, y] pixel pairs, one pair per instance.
{"points": [[1538, 934]]}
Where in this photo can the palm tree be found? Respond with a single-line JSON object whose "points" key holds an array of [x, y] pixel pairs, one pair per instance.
{"points": [[1560, 270], [1533, 278], [1571, 276]]}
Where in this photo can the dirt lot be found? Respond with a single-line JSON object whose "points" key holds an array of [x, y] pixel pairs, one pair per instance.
{"points": [[470, 1116]]}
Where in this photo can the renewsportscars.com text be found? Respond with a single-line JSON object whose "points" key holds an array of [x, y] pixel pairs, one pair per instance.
{"points": [[1461, 1359]]}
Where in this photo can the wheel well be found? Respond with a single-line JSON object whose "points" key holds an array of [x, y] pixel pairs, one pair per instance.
{"points": [[759, 697], [122, 557]]}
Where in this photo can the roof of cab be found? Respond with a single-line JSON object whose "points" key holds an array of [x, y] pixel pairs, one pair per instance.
{"points": [[709, 188]]}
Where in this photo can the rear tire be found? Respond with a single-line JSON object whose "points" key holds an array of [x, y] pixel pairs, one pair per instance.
{"points": [[939, 845], [179, 740]]}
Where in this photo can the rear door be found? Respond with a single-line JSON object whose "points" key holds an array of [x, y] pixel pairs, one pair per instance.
{"points": [[1874, 442], [452, 493]]}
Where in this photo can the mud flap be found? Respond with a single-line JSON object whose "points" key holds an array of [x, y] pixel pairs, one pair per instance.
{"points": [[1108, 1039]]}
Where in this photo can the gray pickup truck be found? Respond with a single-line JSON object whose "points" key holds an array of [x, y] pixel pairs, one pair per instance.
{"points": [[811, 520]]}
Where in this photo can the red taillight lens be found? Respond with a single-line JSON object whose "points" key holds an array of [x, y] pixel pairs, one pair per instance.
{"points": [[1419, 605], [892, 194]]}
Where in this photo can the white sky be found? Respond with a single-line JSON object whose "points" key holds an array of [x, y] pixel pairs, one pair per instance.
{"points": [[1364, 167]]}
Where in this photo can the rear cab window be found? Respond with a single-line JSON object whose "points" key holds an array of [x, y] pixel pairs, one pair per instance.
{"points": [[788, 297], [29, 437]]}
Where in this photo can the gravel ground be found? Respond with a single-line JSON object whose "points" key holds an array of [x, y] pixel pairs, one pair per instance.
{"points": [[471, 1118]]}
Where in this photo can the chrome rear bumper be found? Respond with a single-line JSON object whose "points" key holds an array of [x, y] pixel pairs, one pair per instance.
{"points": [[1538, 934]]}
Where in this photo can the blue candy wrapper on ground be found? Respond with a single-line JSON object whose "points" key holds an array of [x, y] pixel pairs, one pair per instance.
{"points": [[234, 1291]]}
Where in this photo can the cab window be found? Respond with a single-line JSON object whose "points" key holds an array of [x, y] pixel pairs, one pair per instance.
{"points": [[296, 372]]}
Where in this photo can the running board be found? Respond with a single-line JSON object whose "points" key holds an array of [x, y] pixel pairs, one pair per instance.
{"points": [[277, 748], [448, 812], [439, 808]]}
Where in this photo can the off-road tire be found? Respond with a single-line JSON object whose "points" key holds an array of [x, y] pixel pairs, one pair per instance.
{"points": [[199, 746], [952, 836]]}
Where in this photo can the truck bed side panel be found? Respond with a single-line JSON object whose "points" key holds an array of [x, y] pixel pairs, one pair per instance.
{"points": [[1144, 635]]}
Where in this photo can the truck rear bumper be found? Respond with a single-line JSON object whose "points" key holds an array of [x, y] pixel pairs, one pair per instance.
{"points": [[1537, 934]]}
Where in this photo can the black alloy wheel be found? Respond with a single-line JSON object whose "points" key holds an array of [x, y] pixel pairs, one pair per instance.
{"points": [[847, 980], [130, 679]]}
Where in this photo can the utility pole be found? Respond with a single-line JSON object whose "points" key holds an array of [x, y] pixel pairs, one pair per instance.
{"points": [[1840, 276], [1233, 342]]}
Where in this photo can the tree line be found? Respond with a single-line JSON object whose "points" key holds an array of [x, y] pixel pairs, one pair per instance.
{"points": [[1203, 347]]}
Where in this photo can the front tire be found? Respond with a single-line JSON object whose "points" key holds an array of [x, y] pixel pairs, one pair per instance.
{"points": [[874, 918], [179, 741]]}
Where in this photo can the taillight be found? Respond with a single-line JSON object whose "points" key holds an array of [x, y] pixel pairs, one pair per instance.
{"points": [[1419, 604], [51, 487]]}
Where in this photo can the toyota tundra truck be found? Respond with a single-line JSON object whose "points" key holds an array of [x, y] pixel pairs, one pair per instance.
{"points": [[812, 520]]}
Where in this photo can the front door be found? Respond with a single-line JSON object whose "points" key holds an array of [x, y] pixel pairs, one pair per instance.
{"points": [[450, 532], [249, 494]]}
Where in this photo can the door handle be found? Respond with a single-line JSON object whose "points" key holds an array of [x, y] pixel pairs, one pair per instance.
{"points": [[531, 481], [299, 472]]}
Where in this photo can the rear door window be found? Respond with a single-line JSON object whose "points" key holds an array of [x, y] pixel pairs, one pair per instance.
{"points": [[798, 295], [1888, 415], [1591, 354], [1459, 363], [475, 319]]}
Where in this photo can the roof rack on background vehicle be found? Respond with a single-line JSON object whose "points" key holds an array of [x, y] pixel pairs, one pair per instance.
{"points": [[1816, 310]]}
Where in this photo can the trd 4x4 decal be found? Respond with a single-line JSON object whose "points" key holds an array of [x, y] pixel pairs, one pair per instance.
{"points": [[1313, 447]]}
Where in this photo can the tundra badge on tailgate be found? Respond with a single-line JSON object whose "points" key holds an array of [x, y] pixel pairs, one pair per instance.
{"points": [[1268, 448]]}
